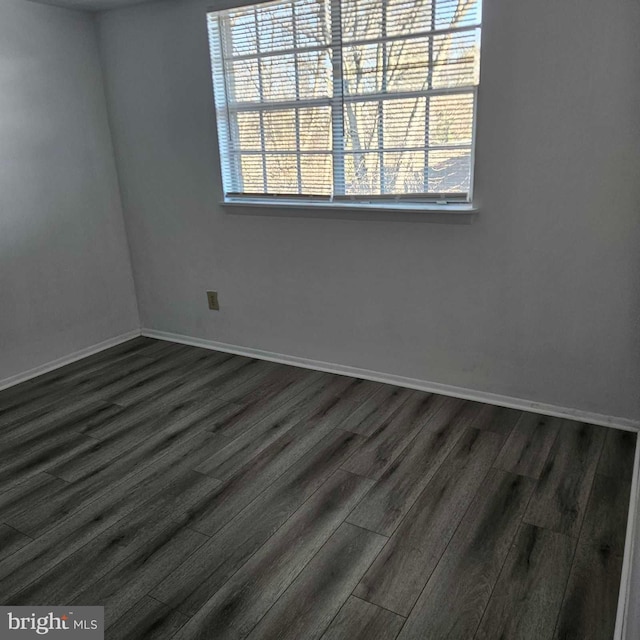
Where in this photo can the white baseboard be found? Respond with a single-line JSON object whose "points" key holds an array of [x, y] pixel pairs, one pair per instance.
{"points": [[401, 381], [61, 362]]}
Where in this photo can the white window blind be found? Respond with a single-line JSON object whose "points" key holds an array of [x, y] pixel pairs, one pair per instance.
{"points": [[347, 99]]}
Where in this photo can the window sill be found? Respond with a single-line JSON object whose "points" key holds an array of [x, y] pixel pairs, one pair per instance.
{"points": [[398, 211]]}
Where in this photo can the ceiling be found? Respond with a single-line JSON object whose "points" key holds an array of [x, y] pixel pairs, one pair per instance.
{"points": [[91, 5]]}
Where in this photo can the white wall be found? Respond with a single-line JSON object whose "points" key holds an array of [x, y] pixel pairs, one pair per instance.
{"points": [[538, 299], [65, 274]]}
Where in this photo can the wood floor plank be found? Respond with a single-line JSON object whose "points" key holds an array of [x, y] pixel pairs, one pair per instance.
{"points": [[28, 493], [116, 377], [17, 445], [392, 435], [227, 403], [191, 585], [24, 460], [527, 598], [364, 390], [605, 520], [20, 402], [119, 373], [259, 472], [618, 454], [140, 347], [171, 438], [11, 540], [561, 495], [256, 435], [22, 399], [157, 518], [360, 620], [527, 448], [256, 405], [152, 524], [67, 579], [132, 375], [156, 349], [307, 607], [403, 481], [187, 395], [155, 383], [215, 382], [92, 367], [397, 577], [140, 572], [590, 603], [68, 534], [251, 480], [139, 426], [500, 420], [383, 403], [34, 396], [90, 364], [148, 619], [589, 608], [452, 603], [75, 415], [242, 601], [329, 394], [31, 409]]}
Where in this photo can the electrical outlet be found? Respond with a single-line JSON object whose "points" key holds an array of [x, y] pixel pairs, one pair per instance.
{"points": [[212, 297]]}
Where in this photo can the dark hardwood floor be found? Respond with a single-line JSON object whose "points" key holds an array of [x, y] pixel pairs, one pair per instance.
{"points": [[195, 494]]}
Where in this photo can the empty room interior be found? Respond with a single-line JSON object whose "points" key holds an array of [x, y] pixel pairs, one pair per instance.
{"points": [[320, 319]]}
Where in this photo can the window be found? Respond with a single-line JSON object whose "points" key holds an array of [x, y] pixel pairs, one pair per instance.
{"points": [[362, 100]]}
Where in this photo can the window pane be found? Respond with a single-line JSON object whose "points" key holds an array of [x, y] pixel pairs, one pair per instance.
{"points": [[451, 119], [315, 129], [314, 73], [243, 33], [282, 173], [247, 131], [313, 23], [362, 173], [278, 78], [362, 69], [361, 125], [251, 167], [280, 130], [275, 30], [457, 13], [244, 84], [449, 171], [361, 19], [404, 172], [455, 57], [404, 123], [316, 174], [454, 62], [408, 65], [408, 16]]}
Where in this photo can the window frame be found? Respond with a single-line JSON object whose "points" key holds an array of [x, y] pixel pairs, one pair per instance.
{"points": [[459, 205]]}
